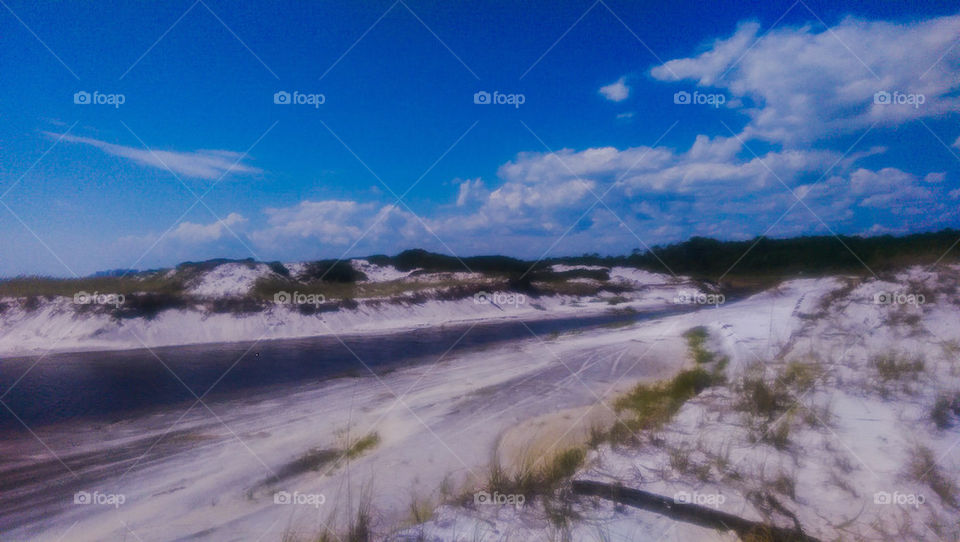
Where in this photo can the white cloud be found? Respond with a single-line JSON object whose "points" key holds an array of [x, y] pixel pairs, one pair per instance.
{"points": [[803, 83], [338, 222], [890, 188], [957, 143], [204, 164], [470, 190], [715, 188], [202, 233], [617, 91]]}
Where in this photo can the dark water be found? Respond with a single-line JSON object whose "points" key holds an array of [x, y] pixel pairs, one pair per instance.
{"points": [[113, 385]]}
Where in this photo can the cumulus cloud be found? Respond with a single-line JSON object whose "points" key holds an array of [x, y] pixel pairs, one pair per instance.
{"points": [[470, 190], [203, 164], [797, 85], [890, 188], [617, 91], [716, 187], [710, 163], [185, 241], [338, 223], [802, 83], [202, 233]]}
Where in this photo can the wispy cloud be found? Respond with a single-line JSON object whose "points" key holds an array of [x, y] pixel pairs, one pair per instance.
{"points": [[617, 91], [203, 164]]}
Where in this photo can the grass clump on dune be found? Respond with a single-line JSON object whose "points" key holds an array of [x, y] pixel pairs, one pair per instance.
{"points": [[362, 445], [539, 477], [652, 405], [696, 343]]}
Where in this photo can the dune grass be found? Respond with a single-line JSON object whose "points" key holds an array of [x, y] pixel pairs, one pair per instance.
{"points": [[47, 286], [539, 477], [362, 445], [696, 343], [924, 469], [650, 406]]}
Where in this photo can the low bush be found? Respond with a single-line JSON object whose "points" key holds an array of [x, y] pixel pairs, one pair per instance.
{"points": [[331, 271]]}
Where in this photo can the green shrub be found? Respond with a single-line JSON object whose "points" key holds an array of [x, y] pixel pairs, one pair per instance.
{"points": [[331, 271]]}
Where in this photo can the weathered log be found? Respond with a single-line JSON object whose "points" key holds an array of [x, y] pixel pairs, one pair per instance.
{"points": [[686, 512]]}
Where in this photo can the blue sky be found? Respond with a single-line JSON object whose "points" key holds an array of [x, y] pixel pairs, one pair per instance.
{"points": [[792, 136]]}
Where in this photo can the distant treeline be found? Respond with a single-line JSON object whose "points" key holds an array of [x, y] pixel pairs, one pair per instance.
{"points": [[699, 257], [710, 259]]}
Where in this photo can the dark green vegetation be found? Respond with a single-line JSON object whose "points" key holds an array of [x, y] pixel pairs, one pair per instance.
{"points": [[331, 271], [701, 257], [738, 265], [409, 260]]}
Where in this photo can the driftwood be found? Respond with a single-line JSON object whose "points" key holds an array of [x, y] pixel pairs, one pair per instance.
{"points": [[689, 513]]}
